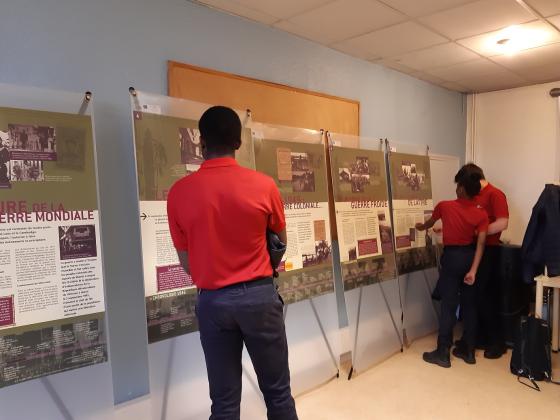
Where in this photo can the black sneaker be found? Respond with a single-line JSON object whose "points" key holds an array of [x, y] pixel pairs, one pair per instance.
{"points": [[467, 355], [438, 357], [495, 352]]}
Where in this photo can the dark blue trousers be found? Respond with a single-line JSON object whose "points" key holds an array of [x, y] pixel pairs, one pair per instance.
{"points": [[455, 264], [251, 315]]}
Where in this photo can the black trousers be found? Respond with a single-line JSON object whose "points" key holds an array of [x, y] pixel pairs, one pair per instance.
{"points": [[455, 264], [488, 298], [250, 314]]}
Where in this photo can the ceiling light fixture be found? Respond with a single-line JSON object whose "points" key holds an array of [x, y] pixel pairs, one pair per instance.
{"points": [[517, 38]]}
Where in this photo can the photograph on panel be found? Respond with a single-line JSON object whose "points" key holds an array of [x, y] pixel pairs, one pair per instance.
{"points": [[411, 177], [303, 176], [77, 242]]}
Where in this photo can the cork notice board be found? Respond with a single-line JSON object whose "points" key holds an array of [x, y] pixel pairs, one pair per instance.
{"points": [[270, 103]]}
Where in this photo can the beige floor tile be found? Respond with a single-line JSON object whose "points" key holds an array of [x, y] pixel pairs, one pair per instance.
{"points": [[405, 387]]}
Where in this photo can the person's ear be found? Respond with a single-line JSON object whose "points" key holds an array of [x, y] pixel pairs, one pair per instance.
{"points": [[237, 144]]}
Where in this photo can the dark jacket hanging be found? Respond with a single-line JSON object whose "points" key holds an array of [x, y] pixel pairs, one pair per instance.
{"points": [[541, 244]]}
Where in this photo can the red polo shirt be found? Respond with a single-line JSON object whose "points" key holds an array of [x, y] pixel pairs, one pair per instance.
{"points": [[494, 202], [220, 215], [461, 219]]}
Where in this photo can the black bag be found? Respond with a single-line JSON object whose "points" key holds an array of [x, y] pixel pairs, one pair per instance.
{"points": [[531, 352], [276, 250]]}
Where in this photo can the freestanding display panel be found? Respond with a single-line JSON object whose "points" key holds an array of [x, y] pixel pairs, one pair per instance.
{"points": [[366, 245], [52, 304]]}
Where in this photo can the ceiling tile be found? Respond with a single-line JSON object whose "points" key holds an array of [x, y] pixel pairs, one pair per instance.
{"points": [[477, 18], [455, 86], [395, 66], [545, 7], [314, 33], [555, 20], [417, 8], [343, 19], [547, 73], [479, 67], [524, 61], [502, 79], [240, 10], [534, 34], [281, 9], [438, 56], [427, 78], [391, 41]]}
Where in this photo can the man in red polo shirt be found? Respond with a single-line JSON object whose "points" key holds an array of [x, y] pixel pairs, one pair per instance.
{"points": [[464, 235], [218, 218], [494, 202]]}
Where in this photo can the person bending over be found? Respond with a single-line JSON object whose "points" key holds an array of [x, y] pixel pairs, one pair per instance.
{"points": [[462, 222], [218, 218], [494, 202]]}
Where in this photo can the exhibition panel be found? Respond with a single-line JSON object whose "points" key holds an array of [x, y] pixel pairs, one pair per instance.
{"points": [[409, 170], [167, 145], [363, 221], [52, 304], [365, 240], [300, 172]]}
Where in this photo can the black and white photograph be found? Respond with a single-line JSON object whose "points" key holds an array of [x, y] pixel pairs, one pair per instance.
{"points": [[322, 254], [303, 176], [26, 170], [32, 141], [360, 174], [359, 182], [77, 242], [344, 175], [191, 149], [4, 160], [411, 177], [361, 166]]}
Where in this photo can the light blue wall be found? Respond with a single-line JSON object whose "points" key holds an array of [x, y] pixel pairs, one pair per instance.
{"points": [[108, 45]]}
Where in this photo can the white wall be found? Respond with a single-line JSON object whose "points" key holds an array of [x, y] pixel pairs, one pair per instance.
{"points": [[514, 135]]}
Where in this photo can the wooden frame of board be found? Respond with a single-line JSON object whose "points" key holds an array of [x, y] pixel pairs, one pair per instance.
{"points": [[270, 103]]}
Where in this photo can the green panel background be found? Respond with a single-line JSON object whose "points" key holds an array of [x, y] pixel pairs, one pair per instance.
{"points": [[158, 153], [400, 190], [75, 161], [265, 152], [342, 157]]}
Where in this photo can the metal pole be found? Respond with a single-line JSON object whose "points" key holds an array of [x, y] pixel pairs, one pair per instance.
{"points": [[354, 351], [324, 335], [167, 385]]}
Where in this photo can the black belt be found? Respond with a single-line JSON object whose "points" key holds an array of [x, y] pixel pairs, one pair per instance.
{"points": [[244, 284]]}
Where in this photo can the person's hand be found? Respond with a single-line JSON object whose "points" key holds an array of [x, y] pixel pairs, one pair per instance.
{"points": [[470, 278], [420, 226]]}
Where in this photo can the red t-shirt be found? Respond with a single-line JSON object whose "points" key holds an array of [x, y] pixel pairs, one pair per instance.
{"points": [[220, 215], [494, 202], [461, 220]]}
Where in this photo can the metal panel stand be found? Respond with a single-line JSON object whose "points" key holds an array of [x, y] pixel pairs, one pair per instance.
{"points": [[168, 371], [324, 336]]}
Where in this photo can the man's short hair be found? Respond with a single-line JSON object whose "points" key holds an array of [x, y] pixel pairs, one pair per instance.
{"points": [[220, 127], [470, 168], [469, 180]]}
